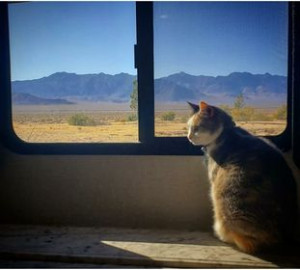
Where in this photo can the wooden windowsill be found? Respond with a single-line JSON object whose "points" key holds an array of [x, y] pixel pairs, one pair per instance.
{"points": [[135, 247]]}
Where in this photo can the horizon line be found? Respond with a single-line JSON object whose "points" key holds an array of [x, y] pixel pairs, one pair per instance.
{"points": [[180, 72]]}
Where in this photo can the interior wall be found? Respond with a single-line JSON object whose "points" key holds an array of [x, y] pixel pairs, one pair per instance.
{"points": [[118, 191]]}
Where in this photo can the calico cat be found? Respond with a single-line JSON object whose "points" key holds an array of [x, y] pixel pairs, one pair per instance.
{"points": [[253, 192]]}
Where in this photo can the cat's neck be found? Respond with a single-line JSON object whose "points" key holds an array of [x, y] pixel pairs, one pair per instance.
{"points": [[221, 148]]}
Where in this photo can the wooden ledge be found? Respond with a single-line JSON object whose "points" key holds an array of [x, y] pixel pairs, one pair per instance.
{"points": [[135, 247]]}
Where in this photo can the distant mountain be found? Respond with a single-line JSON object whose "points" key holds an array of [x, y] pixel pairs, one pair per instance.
{"points": [[257, 88], [94, 87], [27, 99]]}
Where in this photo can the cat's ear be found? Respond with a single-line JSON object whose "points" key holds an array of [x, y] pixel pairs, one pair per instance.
{"points": [[204, 107], [194, 107]]}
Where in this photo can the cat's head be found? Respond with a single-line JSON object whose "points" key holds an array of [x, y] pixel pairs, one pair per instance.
{"points": [[207, 123]]}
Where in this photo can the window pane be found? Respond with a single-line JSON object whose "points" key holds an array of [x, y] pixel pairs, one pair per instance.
{"points": [[229, 54], [73, 75]]}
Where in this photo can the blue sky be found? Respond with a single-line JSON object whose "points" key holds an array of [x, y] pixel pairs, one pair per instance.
{"points": [[93, 37], [204, 38], [219, 38]]}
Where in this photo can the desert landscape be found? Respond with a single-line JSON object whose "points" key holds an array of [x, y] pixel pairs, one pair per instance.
{"points": [[115, 123], [68, 107]]}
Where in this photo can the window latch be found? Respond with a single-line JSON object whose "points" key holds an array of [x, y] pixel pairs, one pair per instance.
{"points": [[135, 56]]}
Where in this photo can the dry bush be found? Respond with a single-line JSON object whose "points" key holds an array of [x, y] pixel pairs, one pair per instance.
{"points": [[281, 113], [242, 114], [80, 119], [132, 117], [168, 116]]}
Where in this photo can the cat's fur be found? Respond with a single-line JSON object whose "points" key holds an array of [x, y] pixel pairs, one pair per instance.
{"points": [[253, 192]]}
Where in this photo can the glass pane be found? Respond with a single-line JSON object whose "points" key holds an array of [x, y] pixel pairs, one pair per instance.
{"points": [[73, 75], [229, 54]]}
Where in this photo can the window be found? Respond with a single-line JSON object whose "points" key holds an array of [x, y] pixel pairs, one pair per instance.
{"points": [[167, 63], [230, 54], [72, 70]]}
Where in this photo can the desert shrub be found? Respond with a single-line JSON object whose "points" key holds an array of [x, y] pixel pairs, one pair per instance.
{"points": [[242, 114], [132, 117], [281, 113], [134, 97], [168, 116], [239, 102], [261, 117], [81, 119]]}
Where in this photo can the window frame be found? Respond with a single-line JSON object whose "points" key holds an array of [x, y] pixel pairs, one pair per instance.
{"points": [[294, 80], [144, 62]]}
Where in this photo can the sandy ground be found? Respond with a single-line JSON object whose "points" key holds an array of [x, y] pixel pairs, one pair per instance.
{"points": [[121, 131], [42, 123]]}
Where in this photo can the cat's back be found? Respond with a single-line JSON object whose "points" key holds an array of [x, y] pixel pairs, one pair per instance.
{"points": [[261, 160], [252, 181], [257, 163], [252, 153]]}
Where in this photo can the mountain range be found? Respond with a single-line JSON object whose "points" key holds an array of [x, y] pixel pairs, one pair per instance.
{"points": [[63, 88], [27, 99]]}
